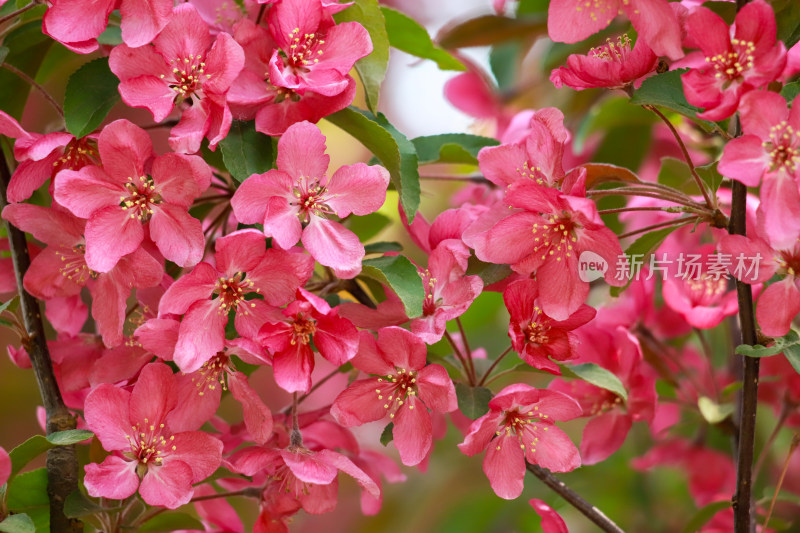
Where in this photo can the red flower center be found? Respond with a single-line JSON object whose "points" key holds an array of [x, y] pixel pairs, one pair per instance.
{"points": [[73, 264], [311, 198], [537, 329], [706, 290], [782, 148], [397, 388], [555, 237], [615, 51], [515, 423], [789, 261], [232, 291], [732, 64], [302, 330], [141, 197], [77, 154], [148, 445], [304, 51], [188, 74], [213, 372]]}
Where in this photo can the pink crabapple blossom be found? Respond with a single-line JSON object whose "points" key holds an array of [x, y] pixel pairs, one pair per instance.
{"points": [[737, 59], [151, 446], [132, 191], [407, 388], [205, 297], [294, 200], [183, 68], [518, 428]]}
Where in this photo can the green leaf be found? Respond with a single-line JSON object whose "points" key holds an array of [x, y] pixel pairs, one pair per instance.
{"points": [[77, 505], [790, 91], [111, 36], [28, 490], [392, 148], [713, 412], [371, 69], [473, 401], [451, 148], [787, 17], [710, 175], [504, 61], [70, 436], [491, 29], [171, 522], [488, 272], [792, 354], [666, 90], [7, 304], [407, 35], [640, 250], [781, 344], [38, 444], [704, 514], [91, 93], [18, 523], [597, 376], [367, 226], [4, 50], [387, 435], [383, 247], [402, 276], [245, 151]]}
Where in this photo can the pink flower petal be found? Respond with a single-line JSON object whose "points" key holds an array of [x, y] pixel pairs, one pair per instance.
{"points": [[114, 478]]}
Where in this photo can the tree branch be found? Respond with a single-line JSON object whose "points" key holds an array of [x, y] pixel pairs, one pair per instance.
{"points": [[573, 498], [62, 464]]}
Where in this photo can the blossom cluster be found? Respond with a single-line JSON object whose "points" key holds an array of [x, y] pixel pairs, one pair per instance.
{"points": [[200, 284]]}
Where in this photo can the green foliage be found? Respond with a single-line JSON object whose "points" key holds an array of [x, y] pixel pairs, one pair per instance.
{"points": [[383, 247], [245, 151], [402, 276], [789, 340], [367, 226], [790, 91], [490, 30], [407, 35], [172, 522], [18, 523], [704, 514], [91, 93], [473, 401], [3, 53], [28, 47], [597, 376], [714, 412], [387, 435], [27, 493], [710, 175], [371, 69], [451, 148], [503, 60], [391, 147], [666, 90], [787, 18], [77, 505], [38, 444]]}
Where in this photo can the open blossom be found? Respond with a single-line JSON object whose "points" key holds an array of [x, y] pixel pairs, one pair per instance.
{"points": [[312, 52], [613, 65], [77, 25], [185, 68], [287, 337], [448, 291], [537, 157], [275, 108], [206, 296], [779, 303], [618, 351], [43, 156], [570, 21], [299, 191], [769, 153], [519, 427], [546, 234], [738, 59], [551, 520], [536, 336], [131, 192], [404, 392], [60, 270], [154, 451]]}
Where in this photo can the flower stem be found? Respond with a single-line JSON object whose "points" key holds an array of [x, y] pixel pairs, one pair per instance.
{"points": [[468, 355], [494, 364], [676, 222], [295, 437], [458, 354], [62, 463], [573, 498], [19, 11], [30, 81], [786, 409], [700, 183], [792, 448]]}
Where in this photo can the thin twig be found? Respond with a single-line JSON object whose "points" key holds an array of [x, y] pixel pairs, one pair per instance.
{"points": [[467, 349], [62, 463], [792, 448], [573, 498], [700, 183], [30, 81], [458, 354], [675, 222], [19, 11], [494, 364], [786, 409]]}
